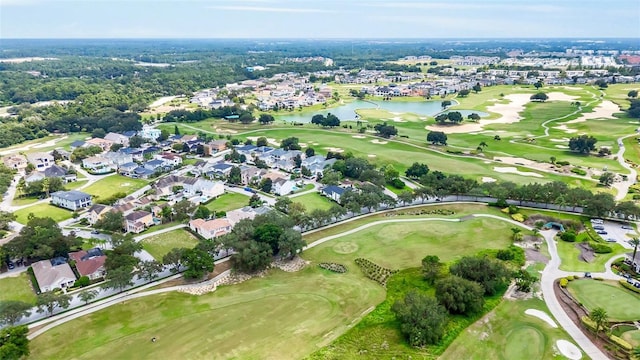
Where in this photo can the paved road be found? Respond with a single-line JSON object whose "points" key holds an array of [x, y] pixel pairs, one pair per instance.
{"points": [[623, 186]]}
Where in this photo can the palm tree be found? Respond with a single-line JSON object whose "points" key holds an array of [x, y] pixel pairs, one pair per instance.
{"points": [[636, 353], [635, 242], [516, 233], [483, 144], [600, 317]]}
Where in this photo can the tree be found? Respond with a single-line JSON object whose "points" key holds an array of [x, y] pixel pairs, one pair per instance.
{"points": [[40, 239], [516, 233], [635, 242], [601, 83], [431, 268], [459, 296], [445, 103], [174, 259], [136, 141], [541, 97], [524, 280], [477, 88], [49, 301], [437, 137], [255, 201], [290, 143], [473, 117], [202, 212], [111, 221], [282, 204], [246, 118], [290, 243], [262, 141], [583, 144], [422, 319], [183, 209], [632, 94], [538, 84], [14, 343], [634, 109], [98, 133], [88, 295], [309, 152], [11, 311], [454, 116], [252, 256], [266, 185], [197, 262], [317, 119], [235, 176], [417, 170], [490, 274], [606, 179], [148, 270], [176, 130], [266, 119], [406, 197], [119, 277], [598, 205], [463, 93], [600, 317], [386, 131]]}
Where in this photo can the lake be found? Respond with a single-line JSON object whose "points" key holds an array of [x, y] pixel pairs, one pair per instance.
{"points": [[348, 111]]}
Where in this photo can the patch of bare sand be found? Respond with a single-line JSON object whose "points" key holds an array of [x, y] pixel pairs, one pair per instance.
{"points": [[604, 110], [514, 170], [569, 350], [487, 179], [564, 128], [379, 142], [509, 111], [334, 149], [372, 155], [359, 137]]}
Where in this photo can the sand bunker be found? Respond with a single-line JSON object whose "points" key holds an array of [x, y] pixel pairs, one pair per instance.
{"points": [[397, 119], [486, 179], [271, 141], [514, 160], [564, 128], [604, 110], [542, 316], [372, 155], [513, 170], [510, 112], [359, 137], [380, 142], [562, 146], [335, 150], [569, 350], [563, 140]]}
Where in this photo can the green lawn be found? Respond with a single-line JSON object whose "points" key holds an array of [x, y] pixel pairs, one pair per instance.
{"points": [[20, 201], [113, 184], [228, 201], [508, 333], [159, 245], [43, 210], [569, 255], [17, 288], [621, 304], [313, 201]]}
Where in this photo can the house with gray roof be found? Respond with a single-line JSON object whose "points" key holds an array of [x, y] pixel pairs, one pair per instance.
{"points": [[50, 277], [54, 171], [73, 200]]}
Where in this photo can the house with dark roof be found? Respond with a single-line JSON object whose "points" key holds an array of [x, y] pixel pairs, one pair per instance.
{"points": [[128, 169], [138, 221], [142, 173], [77, 144], [97, 211], [154, 165], [220, 170], [89, 263], [333, 192], [73, 200], [54, 171]]}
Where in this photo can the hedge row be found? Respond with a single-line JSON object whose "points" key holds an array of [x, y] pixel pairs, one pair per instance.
{"points": [[625, 284], [374, 271], [335, 267]]}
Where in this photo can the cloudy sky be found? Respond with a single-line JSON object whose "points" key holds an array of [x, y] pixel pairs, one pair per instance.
{"points": [[318, 19]]}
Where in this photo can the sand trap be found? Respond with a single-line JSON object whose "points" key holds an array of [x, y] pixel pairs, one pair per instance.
{"points": [[271, 141], [542, 316], [604, 110], [380, 142], [564, 128], [359, 137], [510, 113], [333, 149], [397, 119], [562, 146], [486, 179], [569, 350], [515, 160], [563, 140], [487, 162], [372, 155], [513, 170]]}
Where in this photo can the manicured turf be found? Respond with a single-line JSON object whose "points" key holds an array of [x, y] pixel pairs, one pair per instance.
{"points": [[633, 337], [17, 288], [313, 201], [113, 184], [621, 304], [43, 210], [20, 201], [159, 245], [228, 201], [569, 255], [508, 333]]}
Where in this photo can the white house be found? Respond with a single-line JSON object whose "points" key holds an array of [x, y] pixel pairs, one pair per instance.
{"points": [[208, 188], [40, 160], [51, 277], [117, 139], [283, 186], [333, 192], [149, 132], [72, 200], [98, 165], [211, 228]]}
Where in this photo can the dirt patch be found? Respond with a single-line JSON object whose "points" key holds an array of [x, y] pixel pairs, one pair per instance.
{"points": [[379, 142], [534, 255], [586, 252], [290, 265]]}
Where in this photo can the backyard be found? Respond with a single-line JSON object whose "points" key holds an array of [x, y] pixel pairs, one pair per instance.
{"points": [[161, 244], [228, 201], [313, 201], [110, 185], [17, 288], [43, 210]]}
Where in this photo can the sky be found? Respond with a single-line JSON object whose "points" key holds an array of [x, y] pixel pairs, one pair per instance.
{"points": [[319, 19]]}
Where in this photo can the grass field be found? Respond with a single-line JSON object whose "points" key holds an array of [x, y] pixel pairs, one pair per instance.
{"points": [[621, 304], [43, 210], [313, 201], [508, 333], [20, 201], [159, 245], [569, 255], [228, 201], [113, 184], [17, 288]]}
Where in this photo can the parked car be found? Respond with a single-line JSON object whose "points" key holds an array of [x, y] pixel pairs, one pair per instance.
{"points": [[597, 221], [95, 232], [598, 227], [249, 190], [601, 232], [10, 265], [627, 227], [611, 240], [587, 275], [637, 284]]}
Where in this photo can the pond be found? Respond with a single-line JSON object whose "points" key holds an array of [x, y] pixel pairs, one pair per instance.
{"points": [[348, 111]]}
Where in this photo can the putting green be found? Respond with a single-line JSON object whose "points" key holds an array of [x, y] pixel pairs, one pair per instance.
{"points": [[532, 348], [620, 304], [632, 337]]}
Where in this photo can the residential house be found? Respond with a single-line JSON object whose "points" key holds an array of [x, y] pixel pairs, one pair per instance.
{"points": [[220, 170], [246, 150], [73, 200], [15, 161], [154, 165], [247, 212], [149, 132], [191, 186], [89, 263], [210, 229], [98, 165], [128, 169], [142, 172], [54, 171], [40, 160], [138, 221], [97, 211], [186, 138], [250, 173], [333, 192], [217, 146], [150, 151], [50, 277], [283, 186], [170, 159], [117, 139], [77, 144], [104, 144], [118, 158]]}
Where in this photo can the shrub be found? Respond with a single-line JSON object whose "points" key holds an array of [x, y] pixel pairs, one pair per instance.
{"points": [[636, 197], [588, 323], [579, 171], [505, 210], [628, 286], [564, 282], [82, 281], [513, 209], [397, 183], [598, 278], [571, 278], [562, 163], [621, 342], [505, 255], [518, 217], [337, 268], [374, 271], [568, 236], [600, 248]]}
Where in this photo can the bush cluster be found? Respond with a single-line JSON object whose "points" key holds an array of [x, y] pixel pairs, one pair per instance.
{"points": [[335, 267], [568, 236], [578, 171], [562, 163], [564, 282], [430, 212], [628, 286], [599, 248], [374, 271]]}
